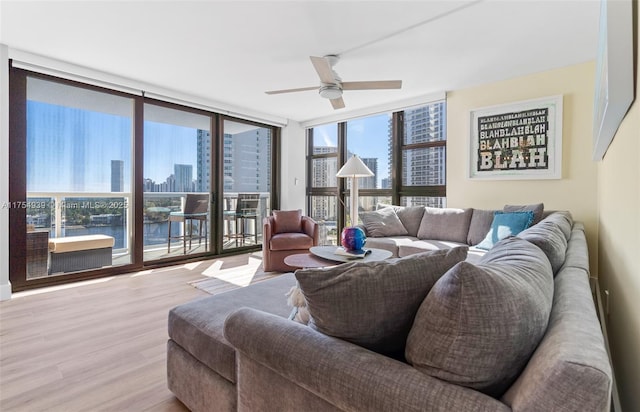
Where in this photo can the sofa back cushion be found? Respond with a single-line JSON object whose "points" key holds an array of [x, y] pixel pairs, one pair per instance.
{"points": [[479, 226], [480, 323], [287, 221], [537, 209], [549, 237], [372, 304], [382, 223], [410, 216], [445, 224]]}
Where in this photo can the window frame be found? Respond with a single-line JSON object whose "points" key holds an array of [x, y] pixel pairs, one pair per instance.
{"points": [[18, 183], [397, 147]]}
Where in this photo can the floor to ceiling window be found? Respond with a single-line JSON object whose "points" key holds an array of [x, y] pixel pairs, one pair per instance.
{"points": [[79, 177], [178, 161], [405, 150], [322, 184], [247, 170], [106, 181], [369, 138]]}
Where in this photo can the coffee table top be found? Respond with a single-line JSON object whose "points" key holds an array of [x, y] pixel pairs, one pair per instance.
{"points": [[323, 256]]}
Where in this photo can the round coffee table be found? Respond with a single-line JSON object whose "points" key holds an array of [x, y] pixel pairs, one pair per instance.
{"points": [[323, 256]]}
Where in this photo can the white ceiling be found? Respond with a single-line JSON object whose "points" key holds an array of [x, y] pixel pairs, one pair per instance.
{"points": [[233, 51]]}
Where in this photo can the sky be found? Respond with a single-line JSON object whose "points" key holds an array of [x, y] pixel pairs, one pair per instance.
{"points": [[70, 150], [366, 137]]}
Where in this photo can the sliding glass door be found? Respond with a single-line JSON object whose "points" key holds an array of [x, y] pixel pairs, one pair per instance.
{"points": [[105, 181], [79, 178], [178, 161], [247, 172]]}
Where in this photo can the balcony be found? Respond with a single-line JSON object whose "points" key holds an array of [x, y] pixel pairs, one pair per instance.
{"points": [[112, 214]]}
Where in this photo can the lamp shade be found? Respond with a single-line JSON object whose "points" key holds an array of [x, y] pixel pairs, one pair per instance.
{"points": [[354, 167]]}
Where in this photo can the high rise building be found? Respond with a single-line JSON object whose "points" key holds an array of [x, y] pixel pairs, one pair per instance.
{"points": [[425, 166], [369, 182], [203, 180], [183, 175], [247, 161], [117, 176]]}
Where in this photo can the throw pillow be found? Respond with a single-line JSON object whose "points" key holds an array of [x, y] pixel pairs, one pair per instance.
{"points": [[480, 324], [410, 216], [505, 225], [445, 224], [287, 221], [537, 209], [383, 222], [372, 304]]}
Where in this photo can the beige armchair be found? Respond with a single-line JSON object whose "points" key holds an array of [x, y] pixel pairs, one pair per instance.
{"points": [[285, 233]]}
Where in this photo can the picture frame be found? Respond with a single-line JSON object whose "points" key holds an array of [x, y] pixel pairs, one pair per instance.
{"points": [[517, 141], [613, 93]]}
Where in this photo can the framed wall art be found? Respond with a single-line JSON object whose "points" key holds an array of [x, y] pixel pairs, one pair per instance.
{"points": [[519, 140], [614, 73]]}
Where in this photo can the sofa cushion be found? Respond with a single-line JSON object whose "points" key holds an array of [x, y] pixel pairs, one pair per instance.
{"points": [[372, 304], [287, 221], [479, 226], [383, 222], [197, 326], [445, 224], [290, 241], [391, 243], [549, 237], [505, 224], [410, 216], [420, 246], [480, 323], [537, 209]]}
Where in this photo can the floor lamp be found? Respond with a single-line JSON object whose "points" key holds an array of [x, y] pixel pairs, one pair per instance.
{"points": [[354, 168]]}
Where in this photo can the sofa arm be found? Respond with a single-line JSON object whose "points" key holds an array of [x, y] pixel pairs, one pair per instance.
{"points": [[343, 374], [310, 227]]}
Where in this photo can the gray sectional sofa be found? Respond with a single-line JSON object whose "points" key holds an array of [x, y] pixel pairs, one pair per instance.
{"points": [[511, 328]]}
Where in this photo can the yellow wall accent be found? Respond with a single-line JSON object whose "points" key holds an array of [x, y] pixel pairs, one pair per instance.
{"points": [[576, 191], [619, 247]]}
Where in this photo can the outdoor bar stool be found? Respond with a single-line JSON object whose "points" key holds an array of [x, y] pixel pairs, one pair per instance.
{"points": [[196, 207]]}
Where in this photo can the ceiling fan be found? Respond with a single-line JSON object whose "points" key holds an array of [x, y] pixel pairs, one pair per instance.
{"points": [[331, 85]]}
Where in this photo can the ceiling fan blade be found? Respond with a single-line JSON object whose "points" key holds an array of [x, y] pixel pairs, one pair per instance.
{"points": [[301, 89], [322, 66], [337, 103], [370, 85]]}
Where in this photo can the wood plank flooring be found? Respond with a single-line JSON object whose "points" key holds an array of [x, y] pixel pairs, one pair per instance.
{"points": [[97, 345]]}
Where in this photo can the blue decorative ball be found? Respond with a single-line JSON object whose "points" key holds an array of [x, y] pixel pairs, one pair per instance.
{"points": [[353, 238]]}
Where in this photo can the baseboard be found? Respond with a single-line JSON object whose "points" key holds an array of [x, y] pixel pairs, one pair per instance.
{"points": [[5, 291], [603, 315]]}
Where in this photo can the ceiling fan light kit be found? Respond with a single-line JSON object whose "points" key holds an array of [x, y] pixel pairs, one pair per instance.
{"points": [[330, 91], [331, 85]]}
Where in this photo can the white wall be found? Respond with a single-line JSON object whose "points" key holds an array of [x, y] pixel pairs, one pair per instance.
{"points": [[5, 285], [293, 179], [619, 244]]}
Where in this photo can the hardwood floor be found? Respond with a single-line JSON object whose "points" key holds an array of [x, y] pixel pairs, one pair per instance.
{"points": [[94, 346]]}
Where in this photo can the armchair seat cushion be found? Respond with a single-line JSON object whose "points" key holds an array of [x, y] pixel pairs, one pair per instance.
{"points": [[290, 241]]}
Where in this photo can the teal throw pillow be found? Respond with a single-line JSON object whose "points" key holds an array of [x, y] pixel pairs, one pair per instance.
{"points": [[506, 224]]}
